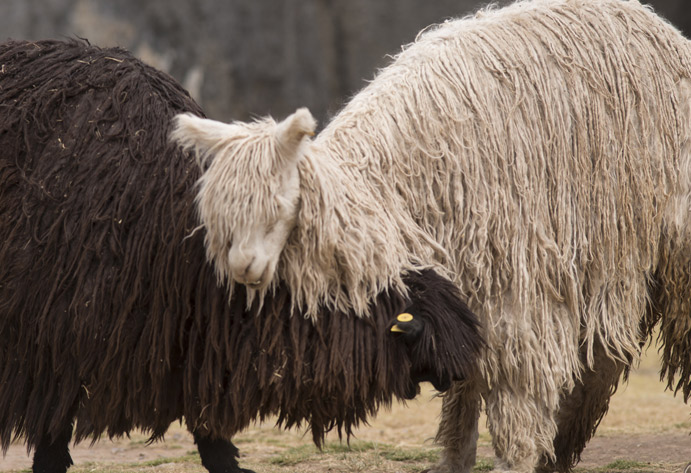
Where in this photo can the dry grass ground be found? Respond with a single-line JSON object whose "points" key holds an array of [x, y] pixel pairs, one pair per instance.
{"points": [[646, 430]]}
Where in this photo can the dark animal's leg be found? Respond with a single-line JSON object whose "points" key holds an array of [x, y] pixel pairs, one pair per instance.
{"points": [[581, 411], [53, 455], [218, 455]]}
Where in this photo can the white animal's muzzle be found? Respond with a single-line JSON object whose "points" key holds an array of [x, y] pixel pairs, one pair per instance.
{"points": [[250, 266]]}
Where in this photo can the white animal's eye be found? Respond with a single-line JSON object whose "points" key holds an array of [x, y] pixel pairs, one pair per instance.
{"points": [[281, 207], [276, 216]]}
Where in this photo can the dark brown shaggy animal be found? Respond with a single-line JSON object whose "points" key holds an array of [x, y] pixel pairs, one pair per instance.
{"points": [[110, 314]]}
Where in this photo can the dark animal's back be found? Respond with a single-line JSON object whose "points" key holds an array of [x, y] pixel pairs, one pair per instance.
{"points": [[93, 203], [109, 311]]}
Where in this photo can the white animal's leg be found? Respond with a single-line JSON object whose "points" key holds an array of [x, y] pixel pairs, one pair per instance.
{"points": [[523, 428], [581, 410], [458, 431]]}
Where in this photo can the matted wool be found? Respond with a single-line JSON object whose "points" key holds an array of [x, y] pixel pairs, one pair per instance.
{"points": [[538, 145]]}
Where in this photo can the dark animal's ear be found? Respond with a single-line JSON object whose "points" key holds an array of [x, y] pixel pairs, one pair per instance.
{"points": [[408, 326]]}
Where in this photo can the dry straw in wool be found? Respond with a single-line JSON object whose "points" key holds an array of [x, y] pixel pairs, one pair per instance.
{"points": [[537, 153]]}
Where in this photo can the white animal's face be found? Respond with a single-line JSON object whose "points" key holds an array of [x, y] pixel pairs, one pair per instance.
{"points": [[262, 226], [249, 191]]}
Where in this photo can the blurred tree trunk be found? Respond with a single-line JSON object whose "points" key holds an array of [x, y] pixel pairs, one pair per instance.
{"points": [[243, 58]]}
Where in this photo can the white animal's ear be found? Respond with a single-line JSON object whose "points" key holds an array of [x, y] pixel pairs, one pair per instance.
{"points": [[201, 134], [293, 129]]}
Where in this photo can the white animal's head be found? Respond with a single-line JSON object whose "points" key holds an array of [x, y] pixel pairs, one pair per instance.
{"points": [[249, 189]]}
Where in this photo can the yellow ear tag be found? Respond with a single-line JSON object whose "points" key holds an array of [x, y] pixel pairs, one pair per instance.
{"points": [[404, 317], [396, 328]]}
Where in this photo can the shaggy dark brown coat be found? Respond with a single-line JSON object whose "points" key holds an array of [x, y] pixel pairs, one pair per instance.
{"points": [[109, 310]]}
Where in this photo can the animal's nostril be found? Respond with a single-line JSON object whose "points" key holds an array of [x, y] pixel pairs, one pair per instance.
{"points": [[247, 268], [247, 274]]}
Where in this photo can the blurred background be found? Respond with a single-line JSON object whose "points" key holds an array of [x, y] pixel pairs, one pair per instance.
{"points": [[246, 58]]}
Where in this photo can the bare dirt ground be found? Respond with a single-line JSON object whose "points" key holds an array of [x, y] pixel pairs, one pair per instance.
{"points": [[674, 448], [645, 424], [650, 448]]}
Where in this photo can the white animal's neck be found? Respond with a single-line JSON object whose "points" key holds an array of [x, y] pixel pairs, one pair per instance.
{"points": [[354, 233]]}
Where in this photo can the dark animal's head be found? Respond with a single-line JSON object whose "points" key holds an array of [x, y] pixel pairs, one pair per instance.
{"points": [[334, 371], [438, 331]]}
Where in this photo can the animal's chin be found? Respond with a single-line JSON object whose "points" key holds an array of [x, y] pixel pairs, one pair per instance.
{"points": [[411, 391], [260, 284], [257, 283], [440, 383]]}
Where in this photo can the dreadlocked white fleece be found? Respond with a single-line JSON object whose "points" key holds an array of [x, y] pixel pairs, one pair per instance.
{"points": [[539, 146], [533, 154]]}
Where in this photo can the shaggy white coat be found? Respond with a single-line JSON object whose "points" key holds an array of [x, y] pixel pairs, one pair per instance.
{"points": [[538, 154]]}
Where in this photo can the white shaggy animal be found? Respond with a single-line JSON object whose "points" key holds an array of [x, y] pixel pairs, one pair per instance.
{"points": [[538, 154]]}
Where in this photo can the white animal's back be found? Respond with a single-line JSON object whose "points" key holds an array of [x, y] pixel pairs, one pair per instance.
{"points": [[539, 145]]}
